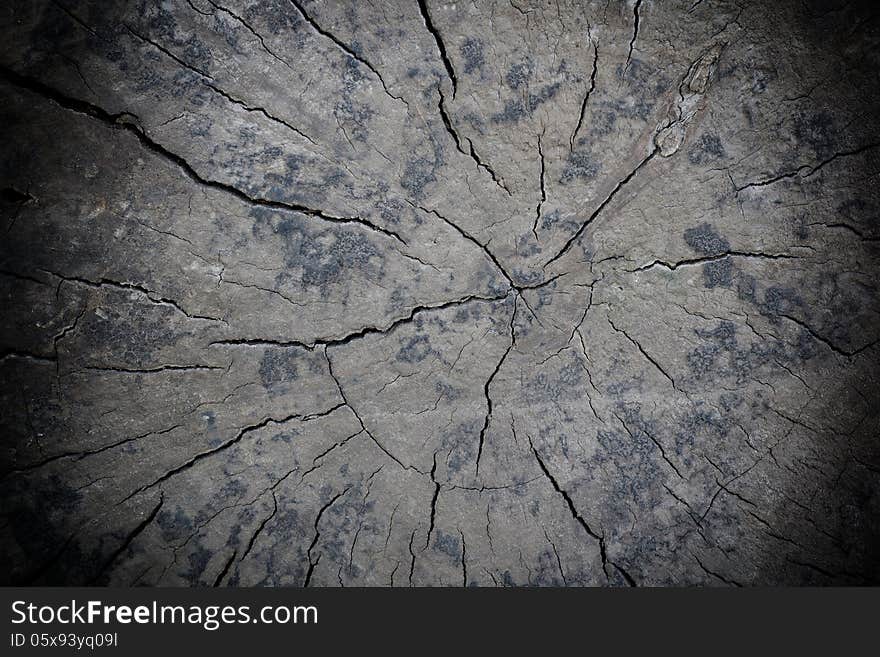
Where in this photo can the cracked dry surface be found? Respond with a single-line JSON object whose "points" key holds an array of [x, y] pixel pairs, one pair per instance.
{"points": [[414, 293]]}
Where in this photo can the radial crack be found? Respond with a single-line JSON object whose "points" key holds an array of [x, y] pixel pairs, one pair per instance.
{"points": [[360, 420], [123, 285], [461, 231], [570, 504], [260, 527], [127, 541], [131, 124], [79, 455], [589, 91], [644, 353], [253, 32], [321, 512], [635, 35], [690, 262], [457, 140], [807, 169], [216, 450], [447, 63], [488, 383], [434, 497], [343, 47], [541, 181], [208, 81], [620, 185]]}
